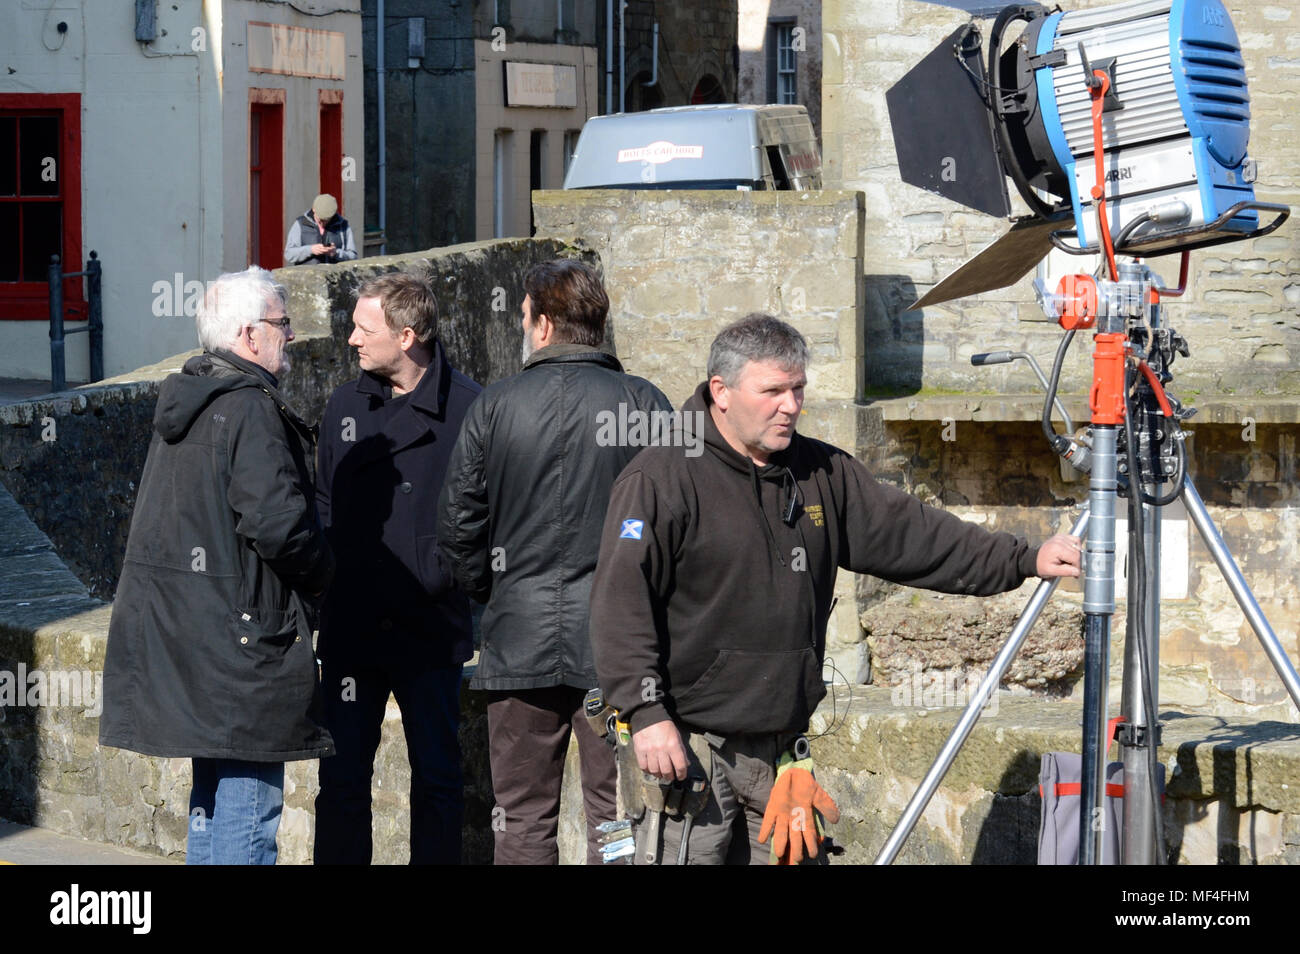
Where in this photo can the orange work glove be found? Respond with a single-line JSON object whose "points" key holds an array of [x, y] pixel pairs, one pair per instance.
{"points": [[790, 813]]}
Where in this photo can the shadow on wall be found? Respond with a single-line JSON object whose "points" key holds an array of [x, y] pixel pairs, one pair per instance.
{"points": [[1009, 833], [1237, 833], [895, 338]]}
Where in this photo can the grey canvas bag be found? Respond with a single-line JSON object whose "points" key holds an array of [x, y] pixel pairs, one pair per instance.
{"points": [[1059, 787]]}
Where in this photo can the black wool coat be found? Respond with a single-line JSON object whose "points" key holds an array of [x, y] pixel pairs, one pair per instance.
{"points": [[376, 489], [209, 648]]}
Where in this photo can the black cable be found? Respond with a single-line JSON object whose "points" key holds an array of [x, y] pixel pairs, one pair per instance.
{"points": [[1127, 230], [1137, 613], [1176, 490], [960, 49], [836, 720], [1057, 442]]}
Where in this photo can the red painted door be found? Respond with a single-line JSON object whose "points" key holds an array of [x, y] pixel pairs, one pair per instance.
{"points": [[266, 230]]}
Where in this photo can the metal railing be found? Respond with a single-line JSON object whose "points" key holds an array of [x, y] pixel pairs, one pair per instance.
{"points": [[94, 325]]}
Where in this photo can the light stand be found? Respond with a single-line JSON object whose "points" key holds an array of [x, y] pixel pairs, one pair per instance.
{"points": [[1149, 437]]}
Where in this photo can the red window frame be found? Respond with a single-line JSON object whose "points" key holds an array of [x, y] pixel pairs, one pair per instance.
{"points": [[30, 301]]}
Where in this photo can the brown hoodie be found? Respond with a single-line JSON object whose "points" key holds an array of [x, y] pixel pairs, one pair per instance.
{"points": [[712, 589]]}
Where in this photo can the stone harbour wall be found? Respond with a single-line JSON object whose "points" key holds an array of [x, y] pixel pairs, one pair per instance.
{"points": [[1231, 792]]}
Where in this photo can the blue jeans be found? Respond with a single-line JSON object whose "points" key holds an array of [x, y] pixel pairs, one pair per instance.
{"points": [[234, 812], [355, 697]]}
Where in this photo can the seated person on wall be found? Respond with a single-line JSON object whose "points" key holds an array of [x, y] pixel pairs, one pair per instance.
{"points": [[320, 235], [714, 586]]}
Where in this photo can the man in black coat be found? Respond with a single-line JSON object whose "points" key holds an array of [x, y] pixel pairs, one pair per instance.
{"points": [[209, 650], [520, 518], [393, 621]]}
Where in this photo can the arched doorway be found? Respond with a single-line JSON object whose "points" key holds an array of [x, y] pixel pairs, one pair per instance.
{"points": [[640, 97], [708, 90]]}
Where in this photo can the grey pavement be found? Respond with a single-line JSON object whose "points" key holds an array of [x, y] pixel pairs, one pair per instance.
{"points": [[20, 845]]}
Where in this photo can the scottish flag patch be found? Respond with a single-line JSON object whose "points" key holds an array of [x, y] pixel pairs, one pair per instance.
{"points": [[631, 530]]}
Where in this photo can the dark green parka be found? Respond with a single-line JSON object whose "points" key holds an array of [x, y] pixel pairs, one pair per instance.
{"points": [[209, 648]]}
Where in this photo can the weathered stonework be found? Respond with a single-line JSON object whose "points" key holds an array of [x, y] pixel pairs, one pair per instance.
{"points": [[979, 457], [680, 265], [696, 53], [1229, 792], [954, 638]]}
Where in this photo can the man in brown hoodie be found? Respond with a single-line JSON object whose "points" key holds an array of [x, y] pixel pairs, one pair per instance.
{"points": [[715, 578]]}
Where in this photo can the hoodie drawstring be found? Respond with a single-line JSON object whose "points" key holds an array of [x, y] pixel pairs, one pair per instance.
{"points": [[758, 499]]}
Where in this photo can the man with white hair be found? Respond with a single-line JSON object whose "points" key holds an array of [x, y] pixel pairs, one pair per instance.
{"points": [[209, 651]]}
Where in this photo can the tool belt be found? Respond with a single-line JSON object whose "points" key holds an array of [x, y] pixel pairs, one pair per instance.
{"points": [[638, 790]]}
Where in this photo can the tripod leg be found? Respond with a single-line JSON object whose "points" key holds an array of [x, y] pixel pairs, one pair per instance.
{"points": [[1096, 678], [1245, 599], [1140, 800], [894, 844]]}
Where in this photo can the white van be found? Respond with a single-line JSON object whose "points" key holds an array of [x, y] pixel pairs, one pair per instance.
{"points": [[698, 147]]}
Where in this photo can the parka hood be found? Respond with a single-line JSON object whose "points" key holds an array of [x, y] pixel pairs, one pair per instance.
{"points": [[182, 397]]}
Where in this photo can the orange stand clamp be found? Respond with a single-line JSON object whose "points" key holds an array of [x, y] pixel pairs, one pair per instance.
{"points": [[1107, 396]]}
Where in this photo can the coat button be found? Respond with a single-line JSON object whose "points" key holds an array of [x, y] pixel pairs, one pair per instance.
{"points": [[405, 487], [385, 624], [243, 640], [297, 639]]}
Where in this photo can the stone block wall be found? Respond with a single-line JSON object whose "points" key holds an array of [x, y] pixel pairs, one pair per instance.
{"points": [[1229, 798], [1241, 314], [973, 457], [682, 264]]}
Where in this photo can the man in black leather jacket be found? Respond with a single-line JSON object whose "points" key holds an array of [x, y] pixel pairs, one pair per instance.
{"points": [[520, 518]]}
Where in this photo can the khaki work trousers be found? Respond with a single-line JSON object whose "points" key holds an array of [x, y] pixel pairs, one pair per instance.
{"points": [[726, 831]]}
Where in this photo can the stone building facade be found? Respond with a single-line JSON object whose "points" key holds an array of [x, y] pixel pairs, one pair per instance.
{"points": [[177, 140], [697, 49], [484, 101], [780, 54]]}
